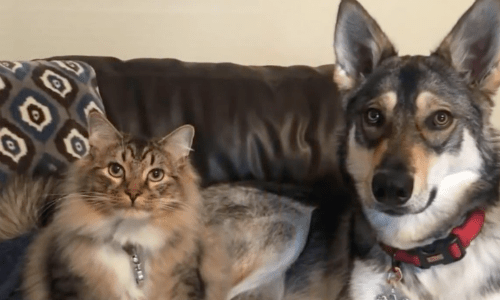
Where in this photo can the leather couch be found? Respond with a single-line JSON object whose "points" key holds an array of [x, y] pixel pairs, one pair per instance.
{"points": [[266, 124]]}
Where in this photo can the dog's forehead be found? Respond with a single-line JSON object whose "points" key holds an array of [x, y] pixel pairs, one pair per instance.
{"points": [[412, 80]]}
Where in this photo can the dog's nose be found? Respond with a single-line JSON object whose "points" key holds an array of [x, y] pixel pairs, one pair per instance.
{"points": [[392, 187]]}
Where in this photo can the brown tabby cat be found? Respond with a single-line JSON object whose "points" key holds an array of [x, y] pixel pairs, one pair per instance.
{"points": [[130, 226]]}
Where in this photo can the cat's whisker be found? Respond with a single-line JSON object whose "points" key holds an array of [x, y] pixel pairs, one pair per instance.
{"points": [[173, 205], [54, 194], [100, 200], [50, 205], [94, 194]]}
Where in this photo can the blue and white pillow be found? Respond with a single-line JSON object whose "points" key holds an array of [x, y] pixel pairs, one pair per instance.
{"points": [[43, 115]]}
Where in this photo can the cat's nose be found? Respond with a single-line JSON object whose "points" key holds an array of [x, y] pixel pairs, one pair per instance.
{"points": [[133, 194]]}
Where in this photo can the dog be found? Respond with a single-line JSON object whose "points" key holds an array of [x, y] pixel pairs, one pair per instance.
{"points": [[422, 160], [423, 157]]}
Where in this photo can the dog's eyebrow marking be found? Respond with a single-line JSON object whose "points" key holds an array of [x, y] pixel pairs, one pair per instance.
{"points": [[388, 101], [427, 102]]}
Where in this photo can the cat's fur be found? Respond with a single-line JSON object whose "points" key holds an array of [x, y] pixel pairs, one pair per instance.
{"points": [[81, 255], [22, 203]]}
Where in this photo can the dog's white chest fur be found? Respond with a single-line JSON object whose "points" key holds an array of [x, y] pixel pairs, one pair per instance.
{"points": [[465, 279], [119, 262]]}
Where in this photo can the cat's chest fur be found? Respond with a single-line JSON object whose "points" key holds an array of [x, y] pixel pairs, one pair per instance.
{"points": [[147, 239], [137, 232]]}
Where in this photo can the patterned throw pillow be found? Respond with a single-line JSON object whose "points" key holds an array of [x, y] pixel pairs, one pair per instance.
{"points": [[43, 115]]}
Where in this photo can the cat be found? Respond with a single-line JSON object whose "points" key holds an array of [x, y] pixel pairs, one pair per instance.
{"points": [[261, 227], [129, 226]]}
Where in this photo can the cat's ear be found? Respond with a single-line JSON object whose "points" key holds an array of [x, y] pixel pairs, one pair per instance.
{"points": [[473, 45], [179, 142], [101, 131], [359, 43]]}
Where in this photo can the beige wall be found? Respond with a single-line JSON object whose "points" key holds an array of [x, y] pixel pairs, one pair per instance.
{"points": [[254, 32]]}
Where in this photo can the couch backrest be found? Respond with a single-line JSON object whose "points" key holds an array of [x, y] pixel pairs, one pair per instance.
{"points": [[267, 123]]}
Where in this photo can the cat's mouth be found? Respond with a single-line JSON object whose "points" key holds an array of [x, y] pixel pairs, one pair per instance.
{"points": [[126, 204]]}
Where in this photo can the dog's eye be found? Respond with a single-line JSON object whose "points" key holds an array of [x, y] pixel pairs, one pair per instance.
{"points": [[442, 119], [373, 116], [115, 170], [156, 175]]}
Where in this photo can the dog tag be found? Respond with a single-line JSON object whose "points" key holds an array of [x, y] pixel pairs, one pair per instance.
{"points": [[394, 276]]}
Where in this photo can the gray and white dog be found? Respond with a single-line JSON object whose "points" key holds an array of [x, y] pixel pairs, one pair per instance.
{"points": [[423, 157], [423, 160]]}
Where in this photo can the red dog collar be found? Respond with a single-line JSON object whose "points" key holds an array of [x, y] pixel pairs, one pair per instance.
{"points": [[444, 251]]}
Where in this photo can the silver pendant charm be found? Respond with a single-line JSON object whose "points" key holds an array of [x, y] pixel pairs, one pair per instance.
{"points": [[139, 273], [136, 263], [392, 296]]}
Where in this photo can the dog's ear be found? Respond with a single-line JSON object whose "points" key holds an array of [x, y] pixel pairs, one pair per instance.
{"points": [[360, 45], [473, 45]]}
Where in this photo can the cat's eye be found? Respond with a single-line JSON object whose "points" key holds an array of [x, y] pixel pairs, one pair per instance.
{"points": [[156, 175], [115, 170], [373, 117]]}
